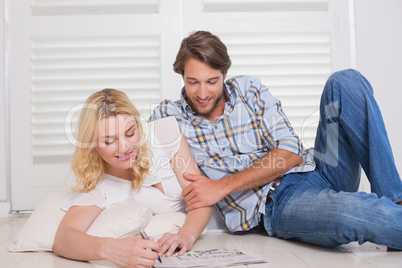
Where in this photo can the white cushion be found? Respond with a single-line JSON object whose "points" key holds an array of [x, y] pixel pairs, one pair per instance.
{"points": [[120, 220], [170, 222]]}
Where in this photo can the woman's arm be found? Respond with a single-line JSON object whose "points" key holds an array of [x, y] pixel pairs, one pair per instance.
{"points": [[197, 219], [72, 242]]}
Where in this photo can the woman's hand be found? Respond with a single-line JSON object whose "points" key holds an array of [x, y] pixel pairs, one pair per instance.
{"points": [[71, 241], [170, 242], [133, 252]]}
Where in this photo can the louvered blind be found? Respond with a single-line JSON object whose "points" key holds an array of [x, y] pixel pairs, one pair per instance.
{"points": [[294, 66], [65, 71]]}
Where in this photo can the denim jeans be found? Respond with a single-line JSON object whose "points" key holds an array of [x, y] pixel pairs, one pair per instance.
{"points": [[322, 207]]}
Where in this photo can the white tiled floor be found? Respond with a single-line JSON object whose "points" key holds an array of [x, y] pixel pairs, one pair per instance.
{"points": [[278, 253]]}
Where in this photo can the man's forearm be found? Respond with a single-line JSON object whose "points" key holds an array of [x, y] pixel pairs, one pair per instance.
{"points": [[206, 192], [264, 170]]}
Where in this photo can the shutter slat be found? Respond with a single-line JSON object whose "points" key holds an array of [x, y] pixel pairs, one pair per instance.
{"points": [[264, 5], [71, 62], [93, 7]]}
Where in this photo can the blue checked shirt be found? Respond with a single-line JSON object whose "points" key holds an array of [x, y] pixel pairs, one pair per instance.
{"points": [[252, 124]]}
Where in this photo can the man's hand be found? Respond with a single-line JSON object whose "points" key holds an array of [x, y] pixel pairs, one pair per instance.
{"points": [[202, 192]]}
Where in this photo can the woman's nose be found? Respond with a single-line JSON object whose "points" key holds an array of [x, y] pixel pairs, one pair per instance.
{"points": [[123, 145]]}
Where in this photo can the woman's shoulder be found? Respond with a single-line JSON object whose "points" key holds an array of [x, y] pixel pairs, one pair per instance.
{"points": [[169, 121], [107, 192], [164, 133], [96, 197]]}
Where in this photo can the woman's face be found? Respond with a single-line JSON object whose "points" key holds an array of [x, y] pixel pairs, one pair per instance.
{"points": [[118, 142]]}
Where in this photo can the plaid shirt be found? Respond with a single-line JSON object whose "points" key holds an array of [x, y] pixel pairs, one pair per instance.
{"points": [[252, 124]]}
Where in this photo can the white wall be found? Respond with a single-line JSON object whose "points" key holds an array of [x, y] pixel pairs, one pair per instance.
{"points": [[3, 187], [379, 58]]}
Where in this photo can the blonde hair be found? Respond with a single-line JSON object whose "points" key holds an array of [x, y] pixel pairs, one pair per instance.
{"points": [[87, 164]]}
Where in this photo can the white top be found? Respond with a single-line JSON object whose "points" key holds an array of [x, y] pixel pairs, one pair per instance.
{"points": [[164, 138]]}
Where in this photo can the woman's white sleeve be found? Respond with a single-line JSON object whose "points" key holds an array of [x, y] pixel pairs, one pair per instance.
{"points": [[93, 198], [165, 136]]}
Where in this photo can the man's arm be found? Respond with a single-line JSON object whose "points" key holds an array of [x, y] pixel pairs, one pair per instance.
{"points": [[204, 192]]}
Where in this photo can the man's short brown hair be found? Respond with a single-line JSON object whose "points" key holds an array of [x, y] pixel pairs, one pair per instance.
{"points": [[205, 47]]}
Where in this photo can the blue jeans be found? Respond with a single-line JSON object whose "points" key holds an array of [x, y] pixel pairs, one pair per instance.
{"points": [[322, 207]]}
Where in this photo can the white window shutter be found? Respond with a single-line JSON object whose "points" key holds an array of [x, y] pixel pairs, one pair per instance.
{"points": [[64, 50], [59, 59], [65, 71]]}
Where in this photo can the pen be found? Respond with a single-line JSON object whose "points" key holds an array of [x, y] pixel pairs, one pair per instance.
{"points": [[145, 236]]}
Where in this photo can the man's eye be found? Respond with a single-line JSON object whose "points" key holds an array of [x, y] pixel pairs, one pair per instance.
{"points": [[212, 82]]}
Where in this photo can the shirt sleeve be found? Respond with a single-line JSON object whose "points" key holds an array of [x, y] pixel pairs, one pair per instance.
{"points": [[276, 129], [93, 198]]}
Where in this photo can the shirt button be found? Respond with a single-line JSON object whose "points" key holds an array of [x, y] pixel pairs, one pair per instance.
{"points": [[216, 127], [223, 149]]}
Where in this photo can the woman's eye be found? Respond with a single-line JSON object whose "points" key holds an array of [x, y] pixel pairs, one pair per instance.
{"points": [[130, 135], [109, 142]]}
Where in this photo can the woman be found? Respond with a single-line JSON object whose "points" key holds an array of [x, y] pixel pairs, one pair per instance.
{"points": [[117, 159]]}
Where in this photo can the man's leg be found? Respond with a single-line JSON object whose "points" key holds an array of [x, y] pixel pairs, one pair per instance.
{"points": [[351, 133], [306, 208]]}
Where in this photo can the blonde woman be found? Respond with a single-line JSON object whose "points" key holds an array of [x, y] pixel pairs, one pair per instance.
{"points": [[118, 158]]}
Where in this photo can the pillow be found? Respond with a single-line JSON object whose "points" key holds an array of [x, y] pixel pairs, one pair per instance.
{"points": [[170, 222], [120, 220]]}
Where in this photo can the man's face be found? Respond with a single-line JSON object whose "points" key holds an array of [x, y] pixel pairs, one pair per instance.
{"points": [[204, 89]]}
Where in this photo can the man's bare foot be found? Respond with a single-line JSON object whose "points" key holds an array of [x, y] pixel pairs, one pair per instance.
{"points": [[399, 203]]}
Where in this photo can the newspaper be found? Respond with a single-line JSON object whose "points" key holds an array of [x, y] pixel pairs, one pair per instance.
{"points": [[209, 258]]}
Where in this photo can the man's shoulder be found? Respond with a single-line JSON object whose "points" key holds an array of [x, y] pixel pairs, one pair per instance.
{"points": [[167, 108], [244, 78], [244, 83], [247, 87]]}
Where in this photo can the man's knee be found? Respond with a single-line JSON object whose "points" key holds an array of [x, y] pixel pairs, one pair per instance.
{"points": [[347, 75], [349, 81]]}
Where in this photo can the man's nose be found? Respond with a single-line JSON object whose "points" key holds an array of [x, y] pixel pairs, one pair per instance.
{"points": [[202, 92]]}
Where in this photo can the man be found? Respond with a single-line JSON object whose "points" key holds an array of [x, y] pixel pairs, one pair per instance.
{"points": [[256, 169]]}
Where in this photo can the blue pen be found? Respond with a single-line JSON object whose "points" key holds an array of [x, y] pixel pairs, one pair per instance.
{"points": [[145, 236]]}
